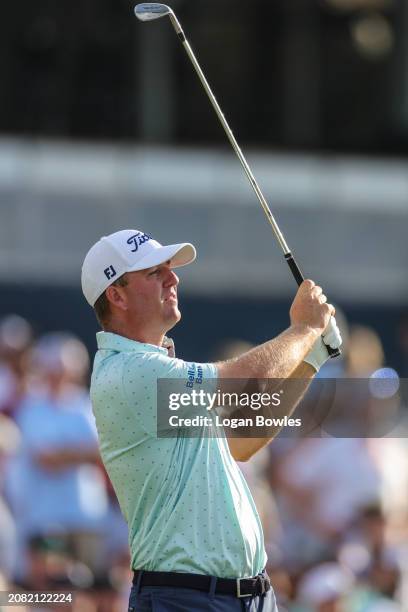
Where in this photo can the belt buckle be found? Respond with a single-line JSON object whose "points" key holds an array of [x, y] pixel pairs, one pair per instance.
{"points": [[239, 594]]}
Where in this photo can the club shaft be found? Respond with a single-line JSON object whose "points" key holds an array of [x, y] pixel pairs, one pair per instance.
{"points": [[297, 274], [231, 138]]}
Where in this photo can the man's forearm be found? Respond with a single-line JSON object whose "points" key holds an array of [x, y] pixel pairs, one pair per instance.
{"points": [[279, 364], [278, 358], [293, 389]]}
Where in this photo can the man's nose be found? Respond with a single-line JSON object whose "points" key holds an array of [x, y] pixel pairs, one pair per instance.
{"points": [[171, 279]]}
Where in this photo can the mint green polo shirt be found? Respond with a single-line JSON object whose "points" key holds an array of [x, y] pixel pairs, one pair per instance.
{"points": [[185, 500]]}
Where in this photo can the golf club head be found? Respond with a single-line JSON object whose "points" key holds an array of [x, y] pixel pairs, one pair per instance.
{"points": [[148, 11]]}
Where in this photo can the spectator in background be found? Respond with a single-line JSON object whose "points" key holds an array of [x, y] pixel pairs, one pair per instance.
{"points": [[55, 483], [324, 588], [365, 352], [322, 484], [323, 487], [9, 443], [373, 560], [15, 340]]}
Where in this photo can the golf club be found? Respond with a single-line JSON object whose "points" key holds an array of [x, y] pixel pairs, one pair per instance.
{"points": [[152, 11]]}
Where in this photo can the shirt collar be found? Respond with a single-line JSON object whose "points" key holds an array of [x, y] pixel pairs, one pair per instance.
{"points": [[114, 342]]}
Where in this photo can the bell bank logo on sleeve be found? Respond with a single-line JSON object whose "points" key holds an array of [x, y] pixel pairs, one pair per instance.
{"points": [[137, 240], [194, 375]]}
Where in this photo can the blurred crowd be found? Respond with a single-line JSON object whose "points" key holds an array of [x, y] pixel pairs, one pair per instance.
{"points": [[334, 508], [60, 525]]}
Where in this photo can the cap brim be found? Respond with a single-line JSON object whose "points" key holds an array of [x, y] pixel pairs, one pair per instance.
{"points": [[177, 254]]}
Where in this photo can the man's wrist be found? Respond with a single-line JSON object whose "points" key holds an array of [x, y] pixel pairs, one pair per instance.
{"points": [[306, 331], [309, 337]]}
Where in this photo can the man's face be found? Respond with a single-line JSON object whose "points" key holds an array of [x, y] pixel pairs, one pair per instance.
{"points": [[152, 296]]}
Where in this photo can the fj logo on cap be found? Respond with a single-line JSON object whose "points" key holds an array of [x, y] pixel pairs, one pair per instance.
{"points": [[110, 272], [137, 240]]}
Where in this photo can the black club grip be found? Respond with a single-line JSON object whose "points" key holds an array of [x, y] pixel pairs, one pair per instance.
{"points": [[299, 278]]}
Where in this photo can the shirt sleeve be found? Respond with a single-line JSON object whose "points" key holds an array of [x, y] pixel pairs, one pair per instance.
{"points": [[161, 387]]}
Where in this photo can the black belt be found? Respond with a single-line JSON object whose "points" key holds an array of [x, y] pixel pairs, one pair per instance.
{"points": [[244, 587]]}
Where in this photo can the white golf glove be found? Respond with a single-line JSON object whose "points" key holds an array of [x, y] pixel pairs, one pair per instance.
{"points": [[318, 354]]}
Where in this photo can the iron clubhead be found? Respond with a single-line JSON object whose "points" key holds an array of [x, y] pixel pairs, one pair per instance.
{"points": [[148, 11]]}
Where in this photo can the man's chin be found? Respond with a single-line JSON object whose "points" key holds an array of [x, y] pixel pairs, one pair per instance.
{"points": [[173, 317]]}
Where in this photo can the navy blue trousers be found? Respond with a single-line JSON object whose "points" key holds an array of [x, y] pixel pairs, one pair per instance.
{"points": [[167, 599]]}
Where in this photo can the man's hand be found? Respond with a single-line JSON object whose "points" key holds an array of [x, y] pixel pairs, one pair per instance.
{"points": [[310, 308], [279, 358]]}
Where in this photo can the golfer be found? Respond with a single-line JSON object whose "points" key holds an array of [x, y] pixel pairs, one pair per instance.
{"points": [[195, 536]]}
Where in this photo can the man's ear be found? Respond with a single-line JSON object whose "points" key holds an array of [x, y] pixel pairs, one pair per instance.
{"points": [[117, 297]]}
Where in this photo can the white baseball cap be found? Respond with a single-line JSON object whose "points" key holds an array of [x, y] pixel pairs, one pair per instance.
{"points": [[127, 251]]}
